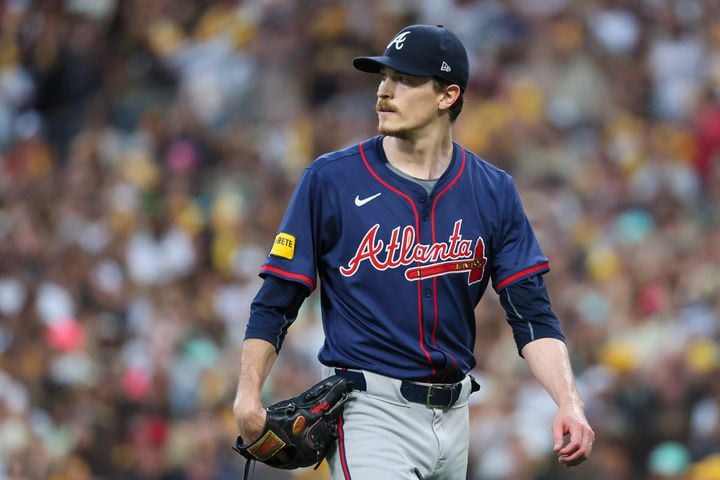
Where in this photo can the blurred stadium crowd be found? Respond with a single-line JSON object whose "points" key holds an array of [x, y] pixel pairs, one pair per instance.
{"points": [[148, 149]]}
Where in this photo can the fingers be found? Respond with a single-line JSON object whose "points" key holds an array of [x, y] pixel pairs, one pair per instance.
{"points": [[251, 424], [579, 442], [558, 435], [577, 457]]}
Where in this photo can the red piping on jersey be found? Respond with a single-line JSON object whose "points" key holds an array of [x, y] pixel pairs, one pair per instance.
{"points": [[432, 217], [294, 276], [523, 273], [417, 229], [341, 448]]}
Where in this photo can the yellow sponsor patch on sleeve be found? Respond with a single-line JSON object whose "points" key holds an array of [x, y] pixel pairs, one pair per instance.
{"points": [[284, 246]]}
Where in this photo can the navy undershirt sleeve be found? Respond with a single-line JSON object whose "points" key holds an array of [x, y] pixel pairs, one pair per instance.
{"points": [[274, 309], [528, 311]]}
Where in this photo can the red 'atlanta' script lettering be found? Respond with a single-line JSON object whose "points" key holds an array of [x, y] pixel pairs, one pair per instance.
{"points": [[401, 249]]}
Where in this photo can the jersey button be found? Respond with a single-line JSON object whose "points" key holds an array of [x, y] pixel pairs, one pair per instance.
{"points": [[428, 292], [426, 217], [422, 199]]}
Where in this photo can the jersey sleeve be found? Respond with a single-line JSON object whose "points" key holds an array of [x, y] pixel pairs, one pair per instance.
{"points": [[518, 254], [529, 312], [293, 255], [274, 309]]}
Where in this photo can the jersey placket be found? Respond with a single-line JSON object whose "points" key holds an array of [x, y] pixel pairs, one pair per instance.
{"points": [[431, 302], [428, 285]]}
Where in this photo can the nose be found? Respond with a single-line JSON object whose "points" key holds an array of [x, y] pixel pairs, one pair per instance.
{"points": [[385, 88]]}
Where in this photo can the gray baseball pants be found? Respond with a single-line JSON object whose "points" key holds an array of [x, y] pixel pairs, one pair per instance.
{"points": [[381, 435]]}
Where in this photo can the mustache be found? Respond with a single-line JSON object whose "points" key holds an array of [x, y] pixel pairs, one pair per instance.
{"points": [[385, 106]]}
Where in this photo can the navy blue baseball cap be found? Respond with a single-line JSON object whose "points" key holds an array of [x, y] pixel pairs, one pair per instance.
{"points": [[425, 51]]}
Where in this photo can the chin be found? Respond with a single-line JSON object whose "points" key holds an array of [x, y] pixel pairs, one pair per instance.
{"points": [[392, 132]]}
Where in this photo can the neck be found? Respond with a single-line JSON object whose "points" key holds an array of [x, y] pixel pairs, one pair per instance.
{"points": [[425, 157]]}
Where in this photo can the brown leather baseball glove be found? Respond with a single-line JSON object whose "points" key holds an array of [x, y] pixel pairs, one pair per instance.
{"points": [[299, 431]]}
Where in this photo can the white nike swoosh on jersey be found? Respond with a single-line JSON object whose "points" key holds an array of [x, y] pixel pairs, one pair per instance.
{"points": [[360, 202]]}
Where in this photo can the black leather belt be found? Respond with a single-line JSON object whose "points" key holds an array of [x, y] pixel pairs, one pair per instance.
{"points": [[432, 396]]}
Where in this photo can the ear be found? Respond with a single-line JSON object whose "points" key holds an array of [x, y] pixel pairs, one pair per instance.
{"points": [[448, 96]]}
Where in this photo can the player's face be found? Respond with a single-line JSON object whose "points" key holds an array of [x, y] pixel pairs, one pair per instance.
{"points": [[406, 104]]}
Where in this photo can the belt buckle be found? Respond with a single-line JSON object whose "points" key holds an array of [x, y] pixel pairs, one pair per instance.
{"points": [[429, 401]]}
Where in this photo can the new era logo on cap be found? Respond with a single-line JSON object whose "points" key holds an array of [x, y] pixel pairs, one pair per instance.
{"points": [[422, 50]]}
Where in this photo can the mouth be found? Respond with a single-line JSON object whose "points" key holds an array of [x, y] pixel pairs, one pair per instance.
{"points": [[383, 108]]}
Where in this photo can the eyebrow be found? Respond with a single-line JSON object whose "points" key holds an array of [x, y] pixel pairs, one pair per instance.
{"points": [[389, 70]]}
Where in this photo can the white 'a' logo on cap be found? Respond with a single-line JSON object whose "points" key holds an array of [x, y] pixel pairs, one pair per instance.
{"points": [[399, 40]]}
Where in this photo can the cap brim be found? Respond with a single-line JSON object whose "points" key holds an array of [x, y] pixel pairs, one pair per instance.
{"points": [[375, 64]]}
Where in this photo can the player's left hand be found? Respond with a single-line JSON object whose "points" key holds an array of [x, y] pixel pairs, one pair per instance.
{"points": [[580, 437]]}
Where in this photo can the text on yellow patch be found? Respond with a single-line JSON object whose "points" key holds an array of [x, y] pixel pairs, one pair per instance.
{"points": [[284, 246]]}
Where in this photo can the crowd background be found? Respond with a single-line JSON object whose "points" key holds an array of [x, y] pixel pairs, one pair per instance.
{"points": [[148, 151]]}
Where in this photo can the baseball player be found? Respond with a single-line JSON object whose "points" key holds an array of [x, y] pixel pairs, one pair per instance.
{"points": [[404, 232]]}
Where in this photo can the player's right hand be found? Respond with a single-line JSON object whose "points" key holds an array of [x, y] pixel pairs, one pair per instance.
{"points": [[250, 419]]}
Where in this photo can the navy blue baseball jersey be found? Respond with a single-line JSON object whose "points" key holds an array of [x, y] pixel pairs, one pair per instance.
{"points": [[401, 271]]}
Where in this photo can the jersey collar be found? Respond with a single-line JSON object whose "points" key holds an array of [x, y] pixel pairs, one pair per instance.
{"points": [[378, 160]]}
